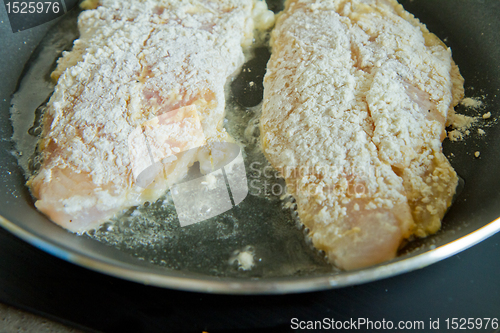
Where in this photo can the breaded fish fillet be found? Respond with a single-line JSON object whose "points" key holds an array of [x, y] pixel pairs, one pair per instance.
{"points": [[356, 97], [137, 66]]}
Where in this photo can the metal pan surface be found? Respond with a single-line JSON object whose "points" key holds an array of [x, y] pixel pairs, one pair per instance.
{"points": [[150, 247]]}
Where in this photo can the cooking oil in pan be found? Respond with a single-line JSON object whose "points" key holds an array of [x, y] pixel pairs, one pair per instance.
{"points": [[265, 222], [152, 232]]}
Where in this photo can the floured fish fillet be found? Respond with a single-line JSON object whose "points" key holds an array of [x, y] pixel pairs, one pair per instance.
{"points": [[141, 71], [356, 97]]}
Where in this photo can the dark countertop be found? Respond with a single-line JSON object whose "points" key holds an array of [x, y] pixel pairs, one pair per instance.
{"points": [[14, 320]]}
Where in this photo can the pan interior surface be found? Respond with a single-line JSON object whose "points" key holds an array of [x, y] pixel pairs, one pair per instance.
{"points": [[148, 245]]}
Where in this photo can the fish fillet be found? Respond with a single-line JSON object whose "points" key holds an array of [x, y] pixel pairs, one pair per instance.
{"points": [[141, 70], [356, 98]]}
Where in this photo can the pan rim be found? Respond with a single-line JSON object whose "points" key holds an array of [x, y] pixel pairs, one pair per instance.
{"points": [[261, 286]]}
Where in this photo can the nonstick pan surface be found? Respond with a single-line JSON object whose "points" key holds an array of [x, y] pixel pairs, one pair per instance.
{"points": [[198, 259]]}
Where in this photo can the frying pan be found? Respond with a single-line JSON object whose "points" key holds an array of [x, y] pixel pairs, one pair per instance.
{"points": [[196, 258]]}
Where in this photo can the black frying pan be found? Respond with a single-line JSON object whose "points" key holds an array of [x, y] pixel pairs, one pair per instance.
{"points": [[470, 28]]}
